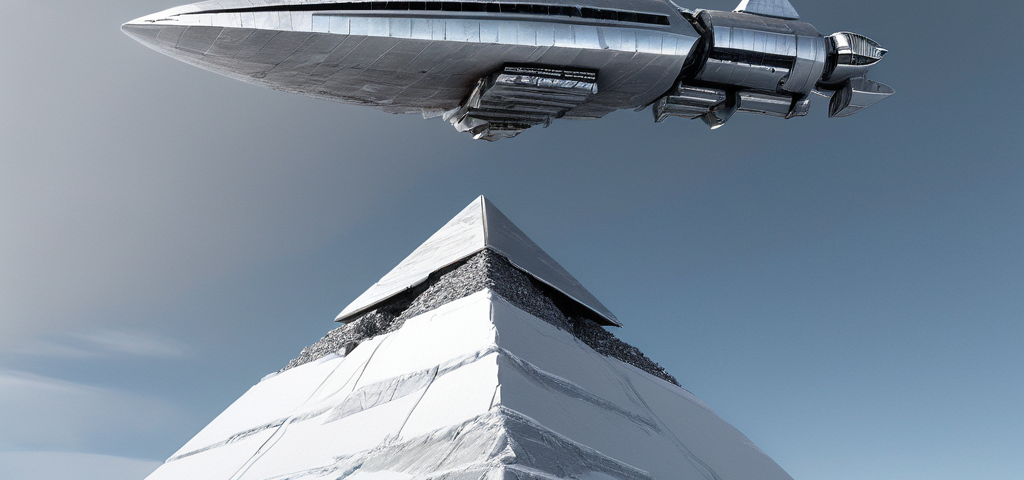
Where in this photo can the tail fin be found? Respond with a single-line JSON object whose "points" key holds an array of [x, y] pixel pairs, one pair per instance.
{"points": [[857, 94], [768, 8]]}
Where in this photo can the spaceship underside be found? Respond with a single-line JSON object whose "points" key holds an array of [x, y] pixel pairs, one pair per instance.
{"points": [[494, 69]]}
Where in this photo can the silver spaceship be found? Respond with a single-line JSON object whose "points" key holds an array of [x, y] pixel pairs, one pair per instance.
{"points": [[496, 68]]}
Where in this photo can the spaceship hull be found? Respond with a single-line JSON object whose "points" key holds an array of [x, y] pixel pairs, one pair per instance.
{"points": [[495, 68], [405, 64]]}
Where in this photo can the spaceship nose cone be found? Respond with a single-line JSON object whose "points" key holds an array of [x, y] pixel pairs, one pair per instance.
{"points": [[136, 21], [147, 34], [156, 29], [145, 29], [141, 32]]}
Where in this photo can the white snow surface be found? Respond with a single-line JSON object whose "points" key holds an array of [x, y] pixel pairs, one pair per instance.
{"points": [[476, 389]]}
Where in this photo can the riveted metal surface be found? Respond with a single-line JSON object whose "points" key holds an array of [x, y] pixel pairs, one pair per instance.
{"points": [[770, 54], [426, 56], [425, 60], [764, 104], [808, 64]]}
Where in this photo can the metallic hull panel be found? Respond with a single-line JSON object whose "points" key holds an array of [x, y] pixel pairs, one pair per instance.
{"points": [[770, 8], [435, 57], [746, 45], [406, 63]]}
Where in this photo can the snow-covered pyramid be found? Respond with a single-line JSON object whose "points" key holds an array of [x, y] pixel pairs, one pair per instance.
{"points": [[477, 358]]}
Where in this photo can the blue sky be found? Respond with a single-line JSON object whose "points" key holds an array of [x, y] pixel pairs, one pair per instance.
{"points": [[849, 293]]}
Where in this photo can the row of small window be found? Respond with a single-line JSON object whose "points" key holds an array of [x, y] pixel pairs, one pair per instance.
{"points": [[520, 8]]}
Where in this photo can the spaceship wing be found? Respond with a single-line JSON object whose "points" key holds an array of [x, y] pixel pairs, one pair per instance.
{"points": [[768, 8]]}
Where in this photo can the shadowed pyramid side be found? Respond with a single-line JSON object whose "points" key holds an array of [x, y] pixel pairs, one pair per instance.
{"points": [[480, 225], [461, 237], [506, 238]]}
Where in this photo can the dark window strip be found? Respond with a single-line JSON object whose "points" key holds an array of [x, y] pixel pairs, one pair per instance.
{"points": [[521, 8], [752, 58]]}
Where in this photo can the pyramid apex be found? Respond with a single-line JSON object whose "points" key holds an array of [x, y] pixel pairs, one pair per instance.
{"points": [[478, 226]]}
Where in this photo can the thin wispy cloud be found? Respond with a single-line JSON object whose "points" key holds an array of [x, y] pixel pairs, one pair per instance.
{"points": [[103, 343], [49, 414]]}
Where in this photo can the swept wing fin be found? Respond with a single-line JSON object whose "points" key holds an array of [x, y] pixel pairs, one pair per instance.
{"points": [[768, 8]]}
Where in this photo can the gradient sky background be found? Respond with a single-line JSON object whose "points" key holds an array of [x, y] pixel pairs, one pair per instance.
{"points": [[849, 293]]}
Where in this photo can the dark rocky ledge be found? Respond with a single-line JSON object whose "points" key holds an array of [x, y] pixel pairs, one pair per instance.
{"points": [[486, 269]]}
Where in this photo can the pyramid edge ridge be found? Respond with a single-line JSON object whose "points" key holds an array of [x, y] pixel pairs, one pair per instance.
{"points": [[359, 305], [349, 315], [595, 306]]}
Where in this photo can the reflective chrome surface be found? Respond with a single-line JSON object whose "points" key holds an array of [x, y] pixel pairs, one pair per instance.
{"points": [[517, 98], [770, 8], [436, 57], [857, 94], [769, 63], [688, 102], [764, 104], [762, 53], [414, 60], [808, 64], [721, 113], [800, 108], [852, 55]]}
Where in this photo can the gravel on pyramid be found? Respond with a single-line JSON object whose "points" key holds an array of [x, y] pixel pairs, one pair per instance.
{"points": [[478, 370], [477, 227], [486, 269]]}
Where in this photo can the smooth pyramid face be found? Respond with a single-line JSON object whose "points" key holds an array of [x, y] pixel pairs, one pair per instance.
{"points": [[475, 389], [478, 226], [496, 383]]}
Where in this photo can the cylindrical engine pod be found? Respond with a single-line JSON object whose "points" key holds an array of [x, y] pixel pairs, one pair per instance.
{"points": [[761, 53], [849, 55], [757, 63]]}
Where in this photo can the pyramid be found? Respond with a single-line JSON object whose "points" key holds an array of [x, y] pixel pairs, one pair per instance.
{"points": [[477, 227], [477, 358]]}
